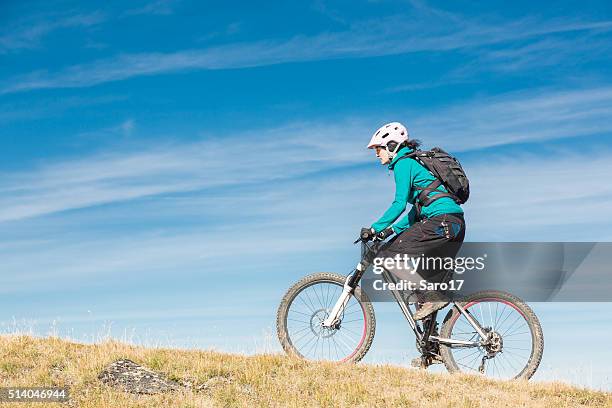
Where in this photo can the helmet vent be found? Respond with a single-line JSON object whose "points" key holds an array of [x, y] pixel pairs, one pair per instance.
{"points": [[385, 135]]}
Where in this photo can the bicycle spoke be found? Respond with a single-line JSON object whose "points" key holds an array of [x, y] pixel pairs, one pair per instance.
{"points": [[506, 318], [305, 314], [311, 338], [517, 328], [317, 295], [336, 348], [516, 348], [515, 354], [342, 342], [512, 325], [316, 343], [350, 321], [314, 308], [503, 356], [350, 331], [307, 305], [328, 298], [495, 367], [496, 315], [353, 312], [469, 355], [515, 334], [301, 330]]}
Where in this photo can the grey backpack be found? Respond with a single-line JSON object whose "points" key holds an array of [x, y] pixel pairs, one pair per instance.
{"points": [[448, 172]]}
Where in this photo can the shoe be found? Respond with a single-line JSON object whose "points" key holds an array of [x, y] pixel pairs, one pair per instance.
{"points": [[424, 362], [410, 298], [418, 363], [428, 308], [431, 302]]}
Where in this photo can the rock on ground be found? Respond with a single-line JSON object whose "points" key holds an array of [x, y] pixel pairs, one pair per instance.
{"points": [[134, 378]]}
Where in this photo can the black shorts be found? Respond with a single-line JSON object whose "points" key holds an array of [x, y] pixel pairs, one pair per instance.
{"points": [[439, 236]]}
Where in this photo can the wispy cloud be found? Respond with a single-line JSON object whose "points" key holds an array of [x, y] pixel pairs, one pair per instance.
{"points": [[228, 30], [417, 86], [172, 168], [306, 148], [546, 52], [156, 7], [127, 127], [372, 38], [522, 197], [323, 7], [29, 32], [284, 187], [42, 107], [542, 197], [519, 117]]}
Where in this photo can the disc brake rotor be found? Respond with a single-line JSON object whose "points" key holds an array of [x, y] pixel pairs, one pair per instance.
{"points": [[316, 324]]}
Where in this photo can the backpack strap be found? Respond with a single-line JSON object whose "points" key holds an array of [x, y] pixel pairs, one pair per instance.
{"points": [[431, 187], [423, 200], [406, 156]]}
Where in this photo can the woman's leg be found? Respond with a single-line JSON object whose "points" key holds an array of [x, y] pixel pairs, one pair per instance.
{"points": [[421, 250]]}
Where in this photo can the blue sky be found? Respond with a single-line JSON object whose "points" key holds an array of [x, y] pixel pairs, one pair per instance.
{"points": [[169, 168]]}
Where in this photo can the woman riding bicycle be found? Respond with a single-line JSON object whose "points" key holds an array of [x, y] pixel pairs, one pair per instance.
{"points": [[433, 227], [327, 316]]}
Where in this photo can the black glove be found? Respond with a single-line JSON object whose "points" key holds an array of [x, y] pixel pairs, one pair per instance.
{"points": [[384, 234], [367, 234]]}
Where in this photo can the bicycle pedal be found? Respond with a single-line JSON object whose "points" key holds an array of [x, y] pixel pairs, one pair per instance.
{"points": [[424, 362], [417, 362]]}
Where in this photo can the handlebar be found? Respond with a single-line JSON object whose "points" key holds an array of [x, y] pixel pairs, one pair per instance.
{"points": [[362, 237], [365, 239]]}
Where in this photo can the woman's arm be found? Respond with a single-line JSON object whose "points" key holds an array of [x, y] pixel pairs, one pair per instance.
{"points": [[405, 222], [403, 181]]}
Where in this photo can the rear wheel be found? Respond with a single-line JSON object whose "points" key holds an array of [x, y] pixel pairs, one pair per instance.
{"points": [[306, 305], [516, 339]]}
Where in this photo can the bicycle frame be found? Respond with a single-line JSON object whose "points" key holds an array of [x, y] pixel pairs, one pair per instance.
{"points": [[423, 337]]}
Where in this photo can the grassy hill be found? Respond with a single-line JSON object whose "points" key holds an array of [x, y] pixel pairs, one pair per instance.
{"points": [[262, 380]]}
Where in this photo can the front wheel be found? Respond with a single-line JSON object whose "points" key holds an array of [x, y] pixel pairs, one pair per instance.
{"points": [[516, 342], [306, 305]]}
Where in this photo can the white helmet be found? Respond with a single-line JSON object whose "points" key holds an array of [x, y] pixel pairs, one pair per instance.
{"points": [[391, 132]]}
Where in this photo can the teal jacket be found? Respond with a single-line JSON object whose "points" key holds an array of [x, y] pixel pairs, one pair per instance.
{"points": [[408, 174]]}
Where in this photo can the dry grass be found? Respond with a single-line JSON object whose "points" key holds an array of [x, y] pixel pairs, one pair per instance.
{"points": [[263, 380]]}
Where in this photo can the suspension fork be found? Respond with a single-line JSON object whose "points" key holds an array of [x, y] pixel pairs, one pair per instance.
{"points": [[351, 282]]}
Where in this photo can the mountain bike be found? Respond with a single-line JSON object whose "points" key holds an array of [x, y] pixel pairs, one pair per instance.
{"points": [[327, 316]]}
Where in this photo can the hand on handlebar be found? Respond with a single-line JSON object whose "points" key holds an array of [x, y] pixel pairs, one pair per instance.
{"points": [[384, 234], [367, 234]]}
